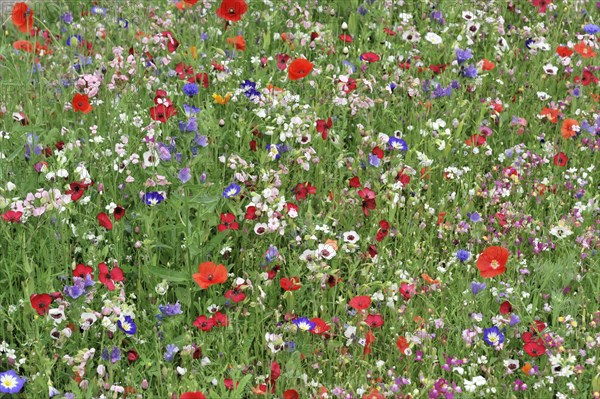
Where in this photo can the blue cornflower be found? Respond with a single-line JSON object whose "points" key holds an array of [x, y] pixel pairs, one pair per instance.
{"points": [[591, 29], [153, 198], [463, 255], [477, 287], [463, 55], [304, 324], [231, 190], [396, 143], [493, 336], [127, 325], [190, 89]]}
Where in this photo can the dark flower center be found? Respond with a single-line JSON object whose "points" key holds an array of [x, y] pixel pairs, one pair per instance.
{"points": [[210, 277]]}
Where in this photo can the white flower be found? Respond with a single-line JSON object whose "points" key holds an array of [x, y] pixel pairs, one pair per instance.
{"points": [[351, 236], [550, 69], [433, 38], [326, 251]]}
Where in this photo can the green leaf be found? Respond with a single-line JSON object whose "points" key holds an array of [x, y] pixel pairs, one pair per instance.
{"points": [[238, 393], [168, 274]]}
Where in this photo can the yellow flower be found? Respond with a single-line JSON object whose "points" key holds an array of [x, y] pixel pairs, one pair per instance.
{"points": [[219, 99]]}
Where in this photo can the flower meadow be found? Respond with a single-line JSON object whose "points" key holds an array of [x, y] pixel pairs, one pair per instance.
{"points": [[300, 199]]}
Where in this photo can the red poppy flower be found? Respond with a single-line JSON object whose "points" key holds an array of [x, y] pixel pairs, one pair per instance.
{"points": [[23, 45], [321, 327], [81, 103], [438, 68], [12, 216], [232, 10], [299, 68], [301, 190], [564, 51], [220, 319], [369, 339], [238, 42], [290, 284], [561, 159], [534, 348], [372, 250], [250, 213], [201, 79], [82, 270], [291, 394], [586, 79], [354, 182], [369, 57], [104, 221], [407, 290], [541, 5], [402, 344], [476, 140], [361, 302], [346, 38], [210, 274], [492, 261], [77, 189], [204, 323], [374, 320], [109, 278], [22, 17], [236, 295], [162, 113], [228, 222], [40, 303], [506, 307]]}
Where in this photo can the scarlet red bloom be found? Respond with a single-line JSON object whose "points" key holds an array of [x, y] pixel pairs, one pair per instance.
{"points": [[569, 128], [81, 103], [236, 295], [162, 113], [82, 270], [303, 189], [40, 303], [299, 68], [172, 43], [104, 221], [220, 320], [12, 216], [210, 274], [584, 50], [407, 290], [232, 10], [374, 320], [368, 197], [506, 307], [204, 323], [369, 57], [541, 5], [355, 182], [369, 339], [238, 42], [22, 17], [228, 222], [290, 284], [291, 394], [402, 344], [321, 327], [77, 189], [360, 302], [346, 38], [109, 278], [492, 261], [564, 51], [561, 159]]}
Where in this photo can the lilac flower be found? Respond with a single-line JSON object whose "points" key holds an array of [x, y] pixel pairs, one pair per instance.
{"points": [[201, 141], [477, 287], [190, 126], [172, 349], [67, 18], [474, 217], [470, 72], [272, 254], [190, 109], [514, 319], [374, 160], [463, 55], [184, 175], [114, 355], [169, 310]]}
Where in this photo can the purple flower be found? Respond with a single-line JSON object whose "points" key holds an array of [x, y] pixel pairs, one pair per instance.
{"points": [[170, 353], [477, 287], [493, 336], [127, 325], [397, 143], [184, 175], [153, 198], [374, 160], [190, 89], [591, 29], [514, 319], [169, 310], [201, 141], [304, 324], [463, 255], [463, 55], [470, 72], [272, 254], [10, 382], [231, 190]]}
